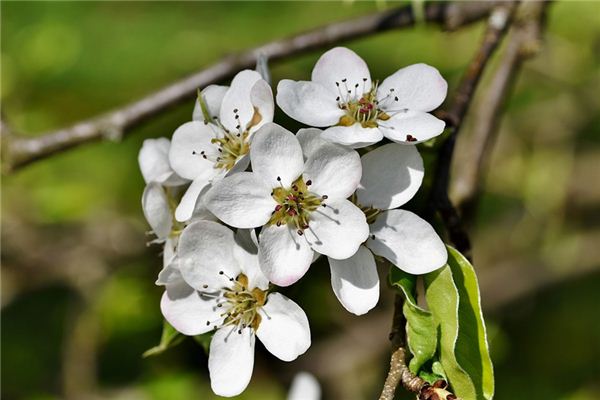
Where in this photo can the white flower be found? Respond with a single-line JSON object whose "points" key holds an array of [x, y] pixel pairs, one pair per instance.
{"points": [[217, 141], [360, 112], [154, 163], [217, 285], [301, 205], [391, 176], [304, 387]]}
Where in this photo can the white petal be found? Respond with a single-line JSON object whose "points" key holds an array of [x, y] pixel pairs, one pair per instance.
{"points": [[345, 67], [154, 163], [354, 136], [261, 97], [391, 175], [276, 153], [309, 103], [189, 140], [170, 274], [242, 200], [206, 249], [408, 242], [230, 361], [213, 97], [187, 204], [355, 281], [337, 230], [200, 211], [187, 311], [310, 140], [334, 170], [155, 205], [284, 329], [237, 101], [418, 87], [412, 127], [284, 256], [304, 387], [246, 253]]}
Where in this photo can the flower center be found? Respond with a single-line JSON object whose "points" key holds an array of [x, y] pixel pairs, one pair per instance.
{"points": [[295, 204], [230, 147], [241, 305], [362, 108]]}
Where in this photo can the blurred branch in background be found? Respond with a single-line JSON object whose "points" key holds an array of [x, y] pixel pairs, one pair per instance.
{"points": [[524, 42], [19, 150]]}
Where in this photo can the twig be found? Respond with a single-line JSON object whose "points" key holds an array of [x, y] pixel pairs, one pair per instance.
{"points": [[439, 200], [19, 151], [524, 42], [399, 372]]}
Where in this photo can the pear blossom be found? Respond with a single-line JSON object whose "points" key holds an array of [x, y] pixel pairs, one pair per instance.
{"points": [[357, 111], [217, 285], [301, 206], [391, 176], [304, 387], [217, 141], [153, 159]]}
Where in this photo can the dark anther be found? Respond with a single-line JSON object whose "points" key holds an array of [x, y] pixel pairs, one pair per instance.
{"points": [[410, 138], [278, 179], [205, 286], [194, 152], [396, 98], [364, 79], [300, 232], [324, 197], [221, 272], [337, 84], [235, 110], [392, 89], [237, 126], [337, 98], [344, 80], [356, 85], [207, 323], [308, 182], [220, 305]]}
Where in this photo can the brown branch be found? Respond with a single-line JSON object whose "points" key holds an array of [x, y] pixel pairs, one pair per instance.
{"points": [[19, 151], [523, 42], [439, 200]]}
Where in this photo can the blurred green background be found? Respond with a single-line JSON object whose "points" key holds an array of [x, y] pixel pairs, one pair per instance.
{"points": [[79, 305]]}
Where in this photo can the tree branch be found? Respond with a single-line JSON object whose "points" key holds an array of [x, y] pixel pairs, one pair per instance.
{"points": [[524, 42], [439, 200], [19, 151]]}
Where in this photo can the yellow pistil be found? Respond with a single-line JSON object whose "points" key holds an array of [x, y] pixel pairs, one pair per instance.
{"points": [[242, 304], [294, 205]]}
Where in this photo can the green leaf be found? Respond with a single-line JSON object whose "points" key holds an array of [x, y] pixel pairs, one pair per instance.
{"points": [[453, 298], [420, 327], [204, 340], [169, 338]]}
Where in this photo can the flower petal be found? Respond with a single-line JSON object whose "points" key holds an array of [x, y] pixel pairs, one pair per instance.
{"points": [[169, 254], [237, 108], [408, 242], [284, 328], [412, 127], [213, 97], [284, 256], [189, 140], [170, 274], [309, 103], [276, 155], [342, 66], [334, 170], [155, 205], [231, 360], [337, 230], [242, 200], [206, 249], [261, 97], [187, 204], [304, 387], [418, 87], [354, 136], [391, 175], [246, 253], [187, 310], [154, 163], [310, 140], [355, 281]]}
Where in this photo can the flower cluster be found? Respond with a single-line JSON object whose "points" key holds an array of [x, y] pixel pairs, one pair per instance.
{"points": [[242, 205]]}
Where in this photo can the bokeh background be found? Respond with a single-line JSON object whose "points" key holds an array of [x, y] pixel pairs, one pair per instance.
{"points": [[79, 305]]}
